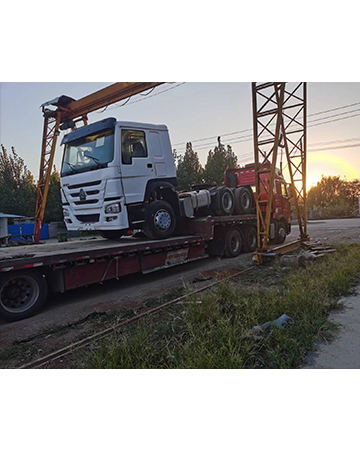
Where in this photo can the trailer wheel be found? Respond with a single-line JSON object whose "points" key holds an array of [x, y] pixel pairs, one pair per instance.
{"points": [[233, 243], [243, 201], [250, 243], [22, 293], [224, 202], [160, 220], [280, 233], [112, 234]]}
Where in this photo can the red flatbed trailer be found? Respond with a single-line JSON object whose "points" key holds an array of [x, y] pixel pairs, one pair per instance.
{"points": [[27, 272]]}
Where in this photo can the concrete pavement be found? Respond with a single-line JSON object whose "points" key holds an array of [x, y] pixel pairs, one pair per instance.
{"points": [[343, 352]]}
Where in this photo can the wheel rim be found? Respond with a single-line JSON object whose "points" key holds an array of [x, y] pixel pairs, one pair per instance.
{"points": [[252, 239], [245, 201], [162, 220], [227, 201], [234, 244], [19, 294], [282, 233]]}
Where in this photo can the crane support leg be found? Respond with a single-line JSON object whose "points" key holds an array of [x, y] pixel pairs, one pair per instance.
{"points": [[271, 97], [50, 135], [294, 140]]}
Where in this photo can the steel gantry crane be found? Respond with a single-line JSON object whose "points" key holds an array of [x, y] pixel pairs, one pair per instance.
{"points": [[68, 112], [279, 119]]}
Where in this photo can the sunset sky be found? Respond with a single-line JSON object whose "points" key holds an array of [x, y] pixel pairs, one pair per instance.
{"points": [[192, 112]]}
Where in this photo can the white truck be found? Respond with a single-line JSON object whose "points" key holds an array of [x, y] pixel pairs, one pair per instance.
{"points": [[119, 176]]}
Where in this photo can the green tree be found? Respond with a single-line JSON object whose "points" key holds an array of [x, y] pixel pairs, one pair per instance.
{"points": [[189, 169], [217, 162], [334, 197], [329, 191], [53, 210], [17, 187], [177, 158]]}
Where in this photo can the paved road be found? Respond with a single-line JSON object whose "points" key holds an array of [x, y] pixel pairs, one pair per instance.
{"points": [[76, 305], [333, 231], [344, 351]]}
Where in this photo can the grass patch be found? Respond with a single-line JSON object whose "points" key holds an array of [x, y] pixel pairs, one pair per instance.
{"points": [[167, 297], [214, 329]]}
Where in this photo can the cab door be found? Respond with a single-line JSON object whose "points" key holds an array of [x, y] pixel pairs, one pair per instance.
{"points": [[136, 166], [157, 153]]}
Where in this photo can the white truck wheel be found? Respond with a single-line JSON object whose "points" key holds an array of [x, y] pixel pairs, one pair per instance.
{"points": [[160, 220]]}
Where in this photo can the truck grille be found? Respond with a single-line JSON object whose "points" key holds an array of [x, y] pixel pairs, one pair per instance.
{"points": [[87, 184], [88, 218], [85, 202], [90, 192]]}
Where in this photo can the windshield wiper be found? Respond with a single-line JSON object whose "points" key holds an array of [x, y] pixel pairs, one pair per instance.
{"points": [[93, 158], [71, 165]]}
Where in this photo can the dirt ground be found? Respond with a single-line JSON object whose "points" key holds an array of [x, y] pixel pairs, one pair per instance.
{"points": [[76, 314]]}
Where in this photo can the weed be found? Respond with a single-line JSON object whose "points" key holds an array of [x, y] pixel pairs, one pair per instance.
{"points": [[167, 297], [214, 329]]}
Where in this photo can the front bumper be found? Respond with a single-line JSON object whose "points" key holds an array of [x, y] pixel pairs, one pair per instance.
{"points": [[95, 218]]}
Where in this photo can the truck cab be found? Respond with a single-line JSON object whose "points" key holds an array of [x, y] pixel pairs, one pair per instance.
{"points": [[243, 180], [111, 172]]}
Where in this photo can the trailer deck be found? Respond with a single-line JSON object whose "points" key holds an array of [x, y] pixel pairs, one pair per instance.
{"points": [[21, 257], [196, 231], [26, 271]]}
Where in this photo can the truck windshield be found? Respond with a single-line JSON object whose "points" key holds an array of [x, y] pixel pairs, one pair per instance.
{"points": [[88, 153]]}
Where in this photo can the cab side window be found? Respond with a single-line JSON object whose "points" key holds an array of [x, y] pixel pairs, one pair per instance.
{"points": [[283, 190], [133, 145]]}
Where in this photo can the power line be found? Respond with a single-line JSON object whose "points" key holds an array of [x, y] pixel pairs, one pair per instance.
{"points": [[336, 108], [339, 119], [145, 96], [157, 94], [335, 148], [339, 147], [221, 135], [235, 141], [310, 115], [335, 142]]}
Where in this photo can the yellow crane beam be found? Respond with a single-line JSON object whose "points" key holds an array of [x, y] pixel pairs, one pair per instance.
{"points": [[70, 110]]}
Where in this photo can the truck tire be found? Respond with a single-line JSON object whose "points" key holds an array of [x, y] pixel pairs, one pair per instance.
{"points": [[224, 202], [250, 240], [243, 201], [280, 232], [233, 243], [112, 234], [22, 293], [160, 220]]}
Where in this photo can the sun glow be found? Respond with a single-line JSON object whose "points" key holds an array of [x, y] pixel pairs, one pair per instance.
{"points": [[325, 164]]}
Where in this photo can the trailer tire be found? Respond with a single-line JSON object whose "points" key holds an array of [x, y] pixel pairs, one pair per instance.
{"points": [[250, 240], [112, 234], [22, 294], [160, 220], [243, 201], [233, 243], [280, 232], [224, 202]]}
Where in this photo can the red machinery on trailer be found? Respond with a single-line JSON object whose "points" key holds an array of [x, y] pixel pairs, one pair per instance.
{"points": [[243, 180]]}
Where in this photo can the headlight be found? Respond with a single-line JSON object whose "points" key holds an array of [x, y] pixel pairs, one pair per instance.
{"points": [[66, 212], [113, 208]]}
